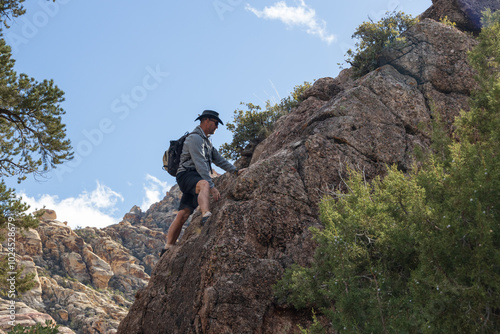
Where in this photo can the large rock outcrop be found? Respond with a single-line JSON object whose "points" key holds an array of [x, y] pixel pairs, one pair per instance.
{"points": [[465, 13], [219, 278], [66, 252]]}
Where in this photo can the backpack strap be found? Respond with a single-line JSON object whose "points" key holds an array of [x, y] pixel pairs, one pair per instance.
{"points": [[210, 153]]}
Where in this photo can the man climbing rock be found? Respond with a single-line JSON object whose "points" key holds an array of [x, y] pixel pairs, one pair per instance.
{"points": [[193, 174]]}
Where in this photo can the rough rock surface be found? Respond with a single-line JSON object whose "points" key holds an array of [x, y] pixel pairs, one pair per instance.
{"points": [[81, 307], [25, 316], [66, 252], [30, 243], [465, 13], [436, 57], [219, 278]]}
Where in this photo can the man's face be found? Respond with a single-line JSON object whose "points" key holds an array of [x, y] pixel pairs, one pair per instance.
{"points": [[213, 125]]}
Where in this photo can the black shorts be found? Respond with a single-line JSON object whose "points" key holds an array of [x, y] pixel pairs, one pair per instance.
{"points": [[187, 181]]}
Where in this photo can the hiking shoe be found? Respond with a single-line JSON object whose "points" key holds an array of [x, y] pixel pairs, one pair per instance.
{"points": [[205, 217], [165, 249]]}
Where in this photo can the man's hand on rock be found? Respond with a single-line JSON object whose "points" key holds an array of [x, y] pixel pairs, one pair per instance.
{"points": [[240, 171], [215, 193]]}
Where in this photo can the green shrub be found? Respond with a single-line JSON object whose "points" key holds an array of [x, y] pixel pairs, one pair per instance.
{"points": [[87, 234], [49, 328], [364, 257], [445, 20], [417, 253], [373, 37], [254, 124], [23, 282]]}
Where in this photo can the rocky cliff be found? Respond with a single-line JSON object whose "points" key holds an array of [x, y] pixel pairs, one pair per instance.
{"points": [[219, 278], [86, 279]]}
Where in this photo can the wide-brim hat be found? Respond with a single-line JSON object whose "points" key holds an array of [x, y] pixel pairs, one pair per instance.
{"points": [[210, 114]]}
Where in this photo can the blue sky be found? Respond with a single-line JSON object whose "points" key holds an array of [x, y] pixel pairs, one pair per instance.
{"points": [[136, 75]]}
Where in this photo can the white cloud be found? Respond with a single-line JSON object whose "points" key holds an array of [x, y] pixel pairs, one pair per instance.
{"points": [[154, 190], [94, 209], [301, 16]]}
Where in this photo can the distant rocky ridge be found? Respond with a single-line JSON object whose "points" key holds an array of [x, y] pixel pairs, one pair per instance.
{"points": [[86, 279]]}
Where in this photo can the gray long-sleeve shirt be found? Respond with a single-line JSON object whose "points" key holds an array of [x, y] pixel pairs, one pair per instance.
{"points": [[196, 153]]}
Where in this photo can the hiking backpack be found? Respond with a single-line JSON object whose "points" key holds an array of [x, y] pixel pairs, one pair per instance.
{"points": [[172, 156]]}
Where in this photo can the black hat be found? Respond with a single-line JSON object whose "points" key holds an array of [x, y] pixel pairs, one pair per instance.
{"points": [[210, 114]]}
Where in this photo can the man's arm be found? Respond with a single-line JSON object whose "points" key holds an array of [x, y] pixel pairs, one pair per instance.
{"points": [[219, 160], [194, 144]]}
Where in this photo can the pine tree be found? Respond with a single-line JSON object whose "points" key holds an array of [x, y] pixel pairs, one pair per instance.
{"points": [[32, 137]]}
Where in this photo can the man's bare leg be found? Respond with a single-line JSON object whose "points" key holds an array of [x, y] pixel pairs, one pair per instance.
{"points": [[176, 227], [203, 191]]}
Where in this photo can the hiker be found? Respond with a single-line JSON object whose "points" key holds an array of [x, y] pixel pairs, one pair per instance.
{"points": [[193, 174]]}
